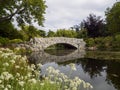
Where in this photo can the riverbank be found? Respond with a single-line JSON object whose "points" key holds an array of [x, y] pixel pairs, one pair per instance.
{"points": [[103, 55]]}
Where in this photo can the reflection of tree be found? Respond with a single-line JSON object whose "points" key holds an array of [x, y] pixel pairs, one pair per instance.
{"points": [[113, 74], [93, 67], [60, 52]]}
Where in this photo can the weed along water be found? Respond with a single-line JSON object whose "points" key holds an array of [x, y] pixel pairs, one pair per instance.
{"points": [[102, 74]]}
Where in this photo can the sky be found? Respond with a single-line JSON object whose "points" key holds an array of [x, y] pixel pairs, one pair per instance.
{"points": [[67, 13]]}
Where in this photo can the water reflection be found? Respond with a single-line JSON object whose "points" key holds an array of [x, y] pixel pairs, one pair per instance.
{"points": [[92, 67], [43, 57], [102, 74], [113, 74]]}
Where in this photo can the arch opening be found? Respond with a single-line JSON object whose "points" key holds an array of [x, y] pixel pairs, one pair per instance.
{"points": [[60, 49], [61, 46]]}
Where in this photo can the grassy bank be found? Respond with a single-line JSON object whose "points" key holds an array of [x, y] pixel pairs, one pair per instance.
{"points": [[103, 55]]}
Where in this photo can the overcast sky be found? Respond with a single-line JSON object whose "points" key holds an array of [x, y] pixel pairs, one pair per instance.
{"points": [[66, 13]]}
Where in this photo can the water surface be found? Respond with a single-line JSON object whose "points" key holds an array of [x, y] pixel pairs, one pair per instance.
{"points": [[102, 74]]}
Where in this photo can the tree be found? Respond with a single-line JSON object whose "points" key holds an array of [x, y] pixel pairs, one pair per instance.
{"points": [[51, 33], [82, 33], [29, 32], [22, 11], [7, 30], [66, 33], [94, 25], [113, 19], [42, 33]]}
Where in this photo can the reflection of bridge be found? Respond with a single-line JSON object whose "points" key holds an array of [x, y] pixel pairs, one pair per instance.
{"points": [[38, 44], [43, 57]]}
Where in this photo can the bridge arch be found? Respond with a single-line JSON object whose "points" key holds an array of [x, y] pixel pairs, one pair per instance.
{"points": [[43, 43], [64, 45]]}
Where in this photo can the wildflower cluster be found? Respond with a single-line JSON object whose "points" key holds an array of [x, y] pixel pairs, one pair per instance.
{"points": [[17, 74], [64, 81]]}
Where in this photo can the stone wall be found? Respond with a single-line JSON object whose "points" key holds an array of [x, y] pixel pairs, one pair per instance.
{"points": [[38, 44]]}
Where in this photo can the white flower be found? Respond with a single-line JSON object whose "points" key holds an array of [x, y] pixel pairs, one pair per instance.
{"points": [[18, 74], [5, 64], [21, 83], [72, 66], [5, 88], [39, 65], [33, 66], [51, 82], [29, 75], [60, 79], [34, 81], [9, 86], [6, 76], [12, 61], [42, 84], [17, 66], [2, 86]]}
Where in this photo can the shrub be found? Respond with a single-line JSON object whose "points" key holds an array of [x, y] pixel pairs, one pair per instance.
{"points": [[90, 42], [116, 42], [4, 41], [16, 41]]}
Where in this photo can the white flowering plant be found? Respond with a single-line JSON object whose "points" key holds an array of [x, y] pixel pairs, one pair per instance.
{"points": [[17, 74]]}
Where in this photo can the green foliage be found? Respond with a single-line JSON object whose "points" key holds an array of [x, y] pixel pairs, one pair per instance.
{"points": [[113, 18], [22, 10], [116, 42], [51, 34], [66, 33], [29, 32], [42, 33], [16, 41], [7, 30], [82, 34], [105, 43], [94, 25], [90, 42], [4, 41]]}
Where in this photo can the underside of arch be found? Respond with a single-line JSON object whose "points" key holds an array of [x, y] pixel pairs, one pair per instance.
{"points": [[61, 46]]}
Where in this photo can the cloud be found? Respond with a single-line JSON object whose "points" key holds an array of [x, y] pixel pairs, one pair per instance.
{"points": [[66, 13]]}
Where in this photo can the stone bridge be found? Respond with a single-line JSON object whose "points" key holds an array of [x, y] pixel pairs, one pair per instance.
{"points": [[39, 44], [43, 57]]}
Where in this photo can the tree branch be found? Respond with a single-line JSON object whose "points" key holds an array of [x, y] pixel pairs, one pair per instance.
{"points": [[9, 17]]}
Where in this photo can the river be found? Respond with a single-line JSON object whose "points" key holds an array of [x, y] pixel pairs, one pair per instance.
{"points": [[102, 73]]}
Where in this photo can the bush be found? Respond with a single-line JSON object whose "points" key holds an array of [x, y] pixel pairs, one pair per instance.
{"points": [[90, 42], [105, 43], [116, 42], [16, 41], [4, 41]]}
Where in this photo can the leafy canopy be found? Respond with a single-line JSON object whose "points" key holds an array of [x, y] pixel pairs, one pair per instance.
{"points": [[23, 11], [94, 25], [113, 18]]}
